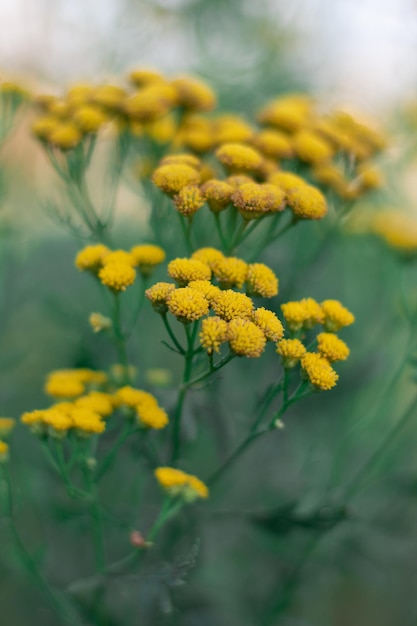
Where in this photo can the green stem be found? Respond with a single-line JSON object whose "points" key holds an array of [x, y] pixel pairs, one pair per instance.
{"points": [[219, 228], [238, 236], [215, 477], [211, 370], [109, 459], [171, 333], [120, 338], [186, 223]]}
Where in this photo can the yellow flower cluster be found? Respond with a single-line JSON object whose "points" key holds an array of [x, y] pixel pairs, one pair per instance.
{"points": [[291, 351], [303, 313], [147, 410], [179, 484], [318, 371], [70, 384], [63, 417], [398, 230]]}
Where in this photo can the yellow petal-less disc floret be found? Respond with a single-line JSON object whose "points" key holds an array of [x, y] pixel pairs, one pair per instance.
{"points": [[237, 157], [65, 136], [158, 295], [336, 316], [398, 229], [254, 200], [132, 397], [210, 256], [145, 75], [180, 484], [91, 257], [89, 118], [119, 256], [245, 338], [231, 128], [273, 144], [189, 200], [151, 415], [173, 177], [98, 401], [213, 333], [291, 351], [147, 257], [193, 94], [6, 426], [117, 276], [205, 287], [64, 385], [184, 270], [87, 422], [269, 323], [187, 304], [287, 181], [229, 304], [150, 103], [44, 126], [289, 113], [230, 272], [307, 203], [261, 281], [312, 148], [182, 159], [99, 322], [318, 371], [58, 422], [331, 347], [218, 194], [4, 451]]}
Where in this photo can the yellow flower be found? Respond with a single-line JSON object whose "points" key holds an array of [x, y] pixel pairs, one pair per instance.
{"points": [[58, 422], [331, 347], [245, 338], [213, 333], [310, 147], [210, 256], [178, 483], [99, 322], [291, 351], [117, 276], [187, 304], [65, 136], [64, 384], [230, 271], [4, 451], [150, 103], [182, 159], [34, 419], [237, 157], [304, 313], [287, 181], [319, 372], [98, 401], [184, 270], [151, 415], [269, 323], [193, 94], [189, 200], [79, 94], [370, 177], [6, 426], [238, 180], [109, 96], [162, 130], [261, 281], [195, 133], [144, 76], [44, 126], [273, 143], [146, 257], [91, 257], [158, 295], [254, 200], [132, 397], [229, 304], [87, 422], [205, 287], [173, 177], [218, 194], [89, 118], [231, 129], [336, 316], [397, 229], [331, 176], [119, 256], [289, 113], [307, 203]]}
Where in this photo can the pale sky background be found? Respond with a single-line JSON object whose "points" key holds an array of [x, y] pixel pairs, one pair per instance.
{"points": [[364, 51]]}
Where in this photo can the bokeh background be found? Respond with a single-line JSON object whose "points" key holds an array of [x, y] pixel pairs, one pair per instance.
{"points": [[359, 53]]}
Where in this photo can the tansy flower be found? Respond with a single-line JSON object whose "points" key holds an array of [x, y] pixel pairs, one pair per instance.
{"points": [[34, 419], [146, 257], [158, 295], [6, 426], [119, 256], [318, 371], [307, 203], [210, 256], [230, 271], [331, 347], [291, 351], [179, 484], [99, 322], [109, 96], [87, 422], [64, 385], [144, 76], [187, 304], [151, 415], [310, 147], [150, 103], [89, 118], [330, 175], [229, 304], [4, 451], [182, 159], [370, 177], [79, 94], [268, 322], [273, 143], [287, 181], [218, 194], [238, 180], [44, 126], [98, 401], [189, 200], [289, 113], [184, 270], [398, 230], [231, 129], [173, 177], [254, 200], [91, 257], [336, 316], [195, 137], [193, 94], [132, 398], [65, 136], [205, 287], [245, 338], [261, 281], [237, 157], [213, 333], [295, 314], [58, 422], [117, 276]]}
